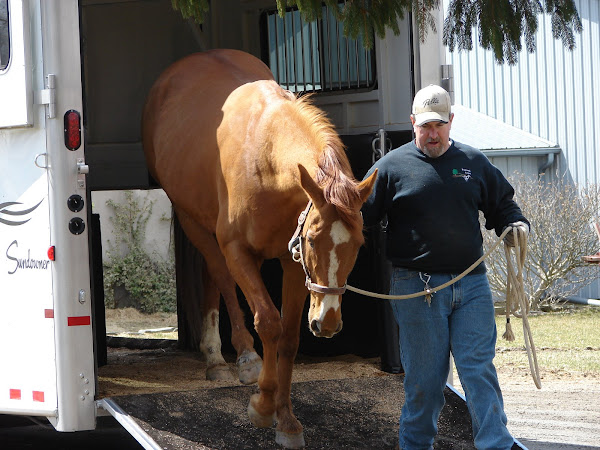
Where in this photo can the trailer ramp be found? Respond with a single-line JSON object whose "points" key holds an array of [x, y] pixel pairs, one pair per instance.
{"points": [[127, 422], [356, 413]]}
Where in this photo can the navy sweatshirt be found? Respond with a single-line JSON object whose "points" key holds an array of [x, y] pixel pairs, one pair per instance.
{"points": [[432, 207]]}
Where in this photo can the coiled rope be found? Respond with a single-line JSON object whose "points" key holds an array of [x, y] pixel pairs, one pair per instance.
{"points": [[516, 300]]}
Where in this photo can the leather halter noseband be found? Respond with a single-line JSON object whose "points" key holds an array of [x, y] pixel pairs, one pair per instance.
{"points": [[295, 248]]}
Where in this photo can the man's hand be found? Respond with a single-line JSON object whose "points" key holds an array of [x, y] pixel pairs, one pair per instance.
{"points": [[522, 230]]}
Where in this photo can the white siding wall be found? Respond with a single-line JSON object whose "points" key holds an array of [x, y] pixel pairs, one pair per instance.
{"points": [[553, 93], [158, 230]]}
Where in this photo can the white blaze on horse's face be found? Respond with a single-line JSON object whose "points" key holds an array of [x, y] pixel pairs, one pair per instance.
{"points": [[339, 235], [333, 253]]}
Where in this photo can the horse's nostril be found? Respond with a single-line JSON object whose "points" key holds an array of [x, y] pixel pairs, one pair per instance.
{"points": [[315, 326], [339, 327]]}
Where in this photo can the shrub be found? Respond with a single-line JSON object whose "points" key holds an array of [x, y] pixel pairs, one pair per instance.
{"points": [[148, 279], [560, 214]]}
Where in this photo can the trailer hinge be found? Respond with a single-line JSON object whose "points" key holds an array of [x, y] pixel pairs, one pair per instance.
{"points": [[48, 96]]}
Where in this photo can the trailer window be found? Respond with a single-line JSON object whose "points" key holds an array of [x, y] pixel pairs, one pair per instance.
{"points": [[315, 56], [4, 47]]}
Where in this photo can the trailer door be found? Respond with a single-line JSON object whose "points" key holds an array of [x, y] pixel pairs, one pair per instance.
{"points": [[45, 311]]}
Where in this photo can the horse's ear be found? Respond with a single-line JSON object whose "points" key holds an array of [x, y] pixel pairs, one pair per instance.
{"points": [[366, 186], [311, 187]]}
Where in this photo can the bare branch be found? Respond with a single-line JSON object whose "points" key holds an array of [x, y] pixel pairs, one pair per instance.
{"points": [[560, 214]]}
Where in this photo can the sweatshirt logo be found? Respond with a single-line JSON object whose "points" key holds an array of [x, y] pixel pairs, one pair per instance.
{"points": [[461, 173]]}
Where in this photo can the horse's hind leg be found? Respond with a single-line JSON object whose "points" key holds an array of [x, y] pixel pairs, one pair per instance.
{"points": [[218, 279], [210, 340]]}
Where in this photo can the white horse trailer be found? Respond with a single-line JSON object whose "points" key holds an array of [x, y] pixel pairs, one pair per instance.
{"points": [[73, 78], [48, 368]]}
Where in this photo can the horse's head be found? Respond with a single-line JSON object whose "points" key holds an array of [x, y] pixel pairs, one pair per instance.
{"points": [[328, 246]]}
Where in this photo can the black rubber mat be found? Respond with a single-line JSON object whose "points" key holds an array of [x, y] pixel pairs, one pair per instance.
{"points": [[342, 414]]}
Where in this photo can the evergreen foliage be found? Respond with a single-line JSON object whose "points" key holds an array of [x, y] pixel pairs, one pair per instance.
{"points": [[501, 24], [195, 9]]}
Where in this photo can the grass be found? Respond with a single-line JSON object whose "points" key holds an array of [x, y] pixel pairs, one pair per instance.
{"points": [[566, 340]]}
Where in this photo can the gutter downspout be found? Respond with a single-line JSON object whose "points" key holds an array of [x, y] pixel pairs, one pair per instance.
{"points": [[548, 163]]}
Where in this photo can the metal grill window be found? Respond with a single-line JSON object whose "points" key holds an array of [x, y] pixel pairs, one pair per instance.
{"points": [[4, 47], [315, 56]]}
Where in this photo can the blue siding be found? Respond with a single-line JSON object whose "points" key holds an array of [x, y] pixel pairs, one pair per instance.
{"points": [[553, 93]]}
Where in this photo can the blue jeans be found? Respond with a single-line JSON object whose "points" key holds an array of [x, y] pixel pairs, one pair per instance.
{"points": [[460, 320]]}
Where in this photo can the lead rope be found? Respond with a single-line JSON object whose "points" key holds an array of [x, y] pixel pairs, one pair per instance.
{"points": [[431, 291], [515, 294], [516, 301]]}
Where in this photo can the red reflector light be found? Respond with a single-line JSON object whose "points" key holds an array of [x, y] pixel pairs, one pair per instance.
{"points": [[15, 394], [72, 130], [38, 396], [51, 253], [78, 321]]}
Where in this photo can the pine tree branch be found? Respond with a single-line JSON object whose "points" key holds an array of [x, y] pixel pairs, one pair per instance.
{"points": [[501, 24]]}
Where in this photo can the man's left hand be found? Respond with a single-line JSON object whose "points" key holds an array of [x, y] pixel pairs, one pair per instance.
{"points": [[522, 230]]}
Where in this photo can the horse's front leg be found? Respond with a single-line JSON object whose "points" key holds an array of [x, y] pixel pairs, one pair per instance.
{"points": [[289, 430], [245, 269]]}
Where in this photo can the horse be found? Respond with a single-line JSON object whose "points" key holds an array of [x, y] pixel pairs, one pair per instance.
{"points": [[245, 163]]}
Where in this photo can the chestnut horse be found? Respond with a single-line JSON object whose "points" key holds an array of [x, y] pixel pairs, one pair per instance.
{"points": [[241, 158]]}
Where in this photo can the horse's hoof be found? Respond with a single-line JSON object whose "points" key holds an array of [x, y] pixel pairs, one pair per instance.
{"points": [[219, 372], [249, 367], [257, 419], [289, 440]]}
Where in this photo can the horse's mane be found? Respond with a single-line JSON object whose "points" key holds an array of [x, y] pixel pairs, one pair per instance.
{"points": [[334, 173]]}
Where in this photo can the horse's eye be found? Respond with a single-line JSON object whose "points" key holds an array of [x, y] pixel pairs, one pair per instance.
{"points": [[311, 242]]}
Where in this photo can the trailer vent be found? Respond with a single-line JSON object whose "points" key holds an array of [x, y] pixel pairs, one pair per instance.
{"points": [[315, 56]]}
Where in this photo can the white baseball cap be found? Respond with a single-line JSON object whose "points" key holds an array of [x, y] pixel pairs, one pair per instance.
{"points": [[430, 104]]}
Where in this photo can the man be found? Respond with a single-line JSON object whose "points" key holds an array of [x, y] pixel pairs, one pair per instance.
{"points": [[431, 191]]}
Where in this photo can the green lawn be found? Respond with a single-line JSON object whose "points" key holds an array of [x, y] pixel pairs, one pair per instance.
{"points": [[568, 340]]}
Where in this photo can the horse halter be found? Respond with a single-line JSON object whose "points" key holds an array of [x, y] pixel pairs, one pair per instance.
{"points": [[295, 248]]}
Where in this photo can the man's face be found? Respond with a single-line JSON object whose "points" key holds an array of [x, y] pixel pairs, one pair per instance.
{"points": [[433, 138]]}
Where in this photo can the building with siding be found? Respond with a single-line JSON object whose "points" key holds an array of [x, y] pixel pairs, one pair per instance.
{"points": [[550, 100]]}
